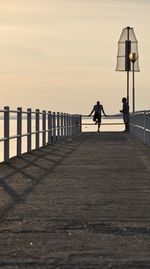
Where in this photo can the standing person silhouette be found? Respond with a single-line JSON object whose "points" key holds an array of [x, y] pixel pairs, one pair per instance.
{"points": [[97, 109], [125, 112]]}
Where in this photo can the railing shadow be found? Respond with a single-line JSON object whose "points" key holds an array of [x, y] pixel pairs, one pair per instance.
{"points": [[20, 177]]}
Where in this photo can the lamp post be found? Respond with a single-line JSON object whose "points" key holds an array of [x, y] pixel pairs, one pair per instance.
{"points": [[133, 57], [126, 45]]}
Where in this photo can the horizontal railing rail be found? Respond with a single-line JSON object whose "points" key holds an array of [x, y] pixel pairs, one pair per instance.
{"points": [[140, 125], [108, 117], [51, 125]]}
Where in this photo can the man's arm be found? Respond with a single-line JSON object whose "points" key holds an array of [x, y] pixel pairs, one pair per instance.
{"points": [[92, 111], [103, 111]]}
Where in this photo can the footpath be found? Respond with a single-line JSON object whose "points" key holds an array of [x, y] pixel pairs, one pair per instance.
{"points": [[81, 203]]}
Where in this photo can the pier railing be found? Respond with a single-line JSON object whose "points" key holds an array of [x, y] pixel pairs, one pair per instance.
{"points": [[41, 126], [140, 125]]}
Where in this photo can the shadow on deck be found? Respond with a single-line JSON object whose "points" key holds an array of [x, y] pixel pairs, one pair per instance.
{"points": [[83, 202]]}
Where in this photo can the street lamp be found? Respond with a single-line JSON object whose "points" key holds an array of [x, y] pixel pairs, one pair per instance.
{"points": [[133, 57], [127, 44]]}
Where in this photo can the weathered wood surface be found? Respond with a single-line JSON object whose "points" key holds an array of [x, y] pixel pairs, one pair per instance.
{"points": [[79, 203]]}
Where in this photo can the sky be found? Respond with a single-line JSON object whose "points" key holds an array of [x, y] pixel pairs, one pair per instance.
{"points": [[61, 55]]}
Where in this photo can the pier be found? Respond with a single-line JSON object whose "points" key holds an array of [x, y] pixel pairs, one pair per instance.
{"points": [[74, 134], [82, 202]]}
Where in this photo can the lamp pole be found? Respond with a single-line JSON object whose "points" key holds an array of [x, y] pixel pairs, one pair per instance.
{"points": [[133, 57], [127, 62]]}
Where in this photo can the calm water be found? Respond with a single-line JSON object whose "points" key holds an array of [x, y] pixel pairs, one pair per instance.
{"points": [[85, 128], [103, 128]]}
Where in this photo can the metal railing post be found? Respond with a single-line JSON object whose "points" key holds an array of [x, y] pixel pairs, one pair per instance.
{"points": [[72, 124], [69, 124], [75, 123], [44, 128], [29, 130], [149, 127], [80, 123], [37, 117], [6, 134], [19, 131], [144, 126], [49, 127], [65, 124], [58, 125], [62, 124], [54, 127]]}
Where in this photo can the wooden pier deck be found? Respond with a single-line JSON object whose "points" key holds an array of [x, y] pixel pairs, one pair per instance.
{"points": [[83, 202]]}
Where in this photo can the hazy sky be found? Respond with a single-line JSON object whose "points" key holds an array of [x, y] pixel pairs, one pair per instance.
{"points": [[60, 55]]}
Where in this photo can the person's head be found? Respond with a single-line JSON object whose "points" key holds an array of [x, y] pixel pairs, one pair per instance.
{"points": [[98, 103], [124, 100]]}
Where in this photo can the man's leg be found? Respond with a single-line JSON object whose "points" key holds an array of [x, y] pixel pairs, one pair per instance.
{"points": [[127, 126], [126, 121], [99, 124]]}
